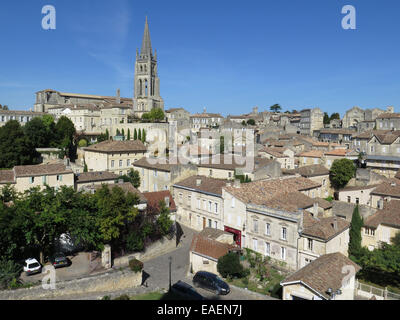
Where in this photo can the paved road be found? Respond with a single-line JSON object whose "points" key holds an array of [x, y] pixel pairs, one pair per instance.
{"points": [[158, 268], [78, 268]]}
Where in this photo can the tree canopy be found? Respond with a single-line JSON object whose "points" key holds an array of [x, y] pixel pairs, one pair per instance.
{"points": [[276, 108], [341, 172]]}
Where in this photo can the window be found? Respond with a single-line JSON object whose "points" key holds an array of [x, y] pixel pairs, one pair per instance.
{"points": [[198, 221], [31, 180], [209, 206], [284, 233], [211, 172], [357, 201], [205, 204], [120, 163], [180, 197], [348, 199], [384, 149], [155, 173], [255, 226], [166, 176], [216, 224], [209, 223], [267, 229], [155, 187], [230, 174], [216, 207], [112, 163], [128, 163], [44, 179], [239, 221], [267, 249], [315, 160], [310, 244], [198, 203], [255, 244], [60, 178], [283, 253], [233, 203]]}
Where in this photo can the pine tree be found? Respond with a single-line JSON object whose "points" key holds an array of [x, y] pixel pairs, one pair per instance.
{"points": [[129, 134], [85, 167], [355, 233], [135, 135], [144, 136], [123, 132], [140, 135], [107, 134]]}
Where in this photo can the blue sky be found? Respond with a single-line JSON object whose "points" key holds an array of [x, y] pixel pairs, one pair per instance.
{"points": [[227, 56]]}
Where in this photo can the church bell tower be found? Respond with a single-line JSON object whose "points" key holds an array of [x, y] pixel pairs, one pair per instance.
{"points": [[147, 83]]}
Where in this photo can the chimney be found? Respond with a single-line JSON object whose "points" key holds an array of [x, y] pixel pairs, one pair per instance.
{"points": [[335, 225], [118, 96], [237, 183], [380, 204], [166, 199], [315, 209], [198, 182]]}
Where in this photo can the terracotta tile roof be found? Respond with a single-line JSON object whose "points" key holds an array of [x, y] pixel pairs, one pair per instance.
{"points": [[390, 188], [324, 204], [214, 234], [41, 169], [208, 185], [276, 152], [125, 186], [337, 131], [387, 115], [161, 164], [6, 176], [95, 176], [312, 154], [209, 247], [232, 163], [387, 138], [118, 146], [281, 193], [323, 228], [154, 198], [206, 115], [357, 188], [338, 152], [309, 171], [389, 215], [323, 273]]}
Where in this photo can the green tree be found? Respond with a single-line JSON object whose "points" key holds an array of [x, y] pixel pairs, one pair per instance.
{"points": [[83, 143], [326, 118], [396, 239], [85, 167], [244, 123], [116, 210], [129, 134], [123, 133], [335, 116], [341, 172], [140, 135], [15, 149], [132, 177], [221, 144], [164, 221], [102, 137], [9, 273], [135, 135], [229, 265], [144, 136], [37, 133], [355, 234], [251, 122], [65, 133], [275, 108], [107, 134]]}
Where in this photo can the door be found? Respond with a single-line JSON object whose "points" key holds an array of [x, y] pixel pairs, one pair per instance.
{"points": [[204, 222]]}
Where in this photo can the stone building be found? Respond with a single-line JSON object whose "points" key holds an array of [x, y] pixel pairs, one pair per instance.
{"points": [[24, 178], [311, 120], [388, 121], [21, 116], [200, 203], [146, 82], [114, 156], [357, 115]]}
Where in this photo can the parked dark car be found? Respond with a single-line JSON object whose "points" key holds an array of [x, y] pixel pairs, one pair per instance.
{"points": [[59, 260], [212, 282], [186, 290]]}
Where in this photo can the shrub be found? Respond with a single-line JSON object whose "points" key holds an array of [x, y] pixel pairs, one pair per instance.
{"points": [[229, 265], [9, 273], [123, 297], [82, 143], [136, 265]]}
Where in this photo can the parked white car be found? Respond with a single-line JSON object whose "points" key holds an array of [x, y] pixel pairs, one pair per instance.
{"points": [[32, 266]]}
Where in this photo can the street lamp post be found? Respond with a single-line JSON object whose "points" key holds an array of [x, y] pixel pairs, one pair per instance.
{"points": [[170, 264]]}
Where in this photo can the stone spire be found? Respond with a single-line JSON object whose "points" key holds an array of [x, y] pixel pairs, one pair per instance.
{"points": [[146, 44]]}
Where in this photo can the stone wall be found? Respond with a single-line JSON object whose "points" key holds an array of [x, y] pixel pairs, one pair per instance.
{"points": [[156, 249], [109, 282]]}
